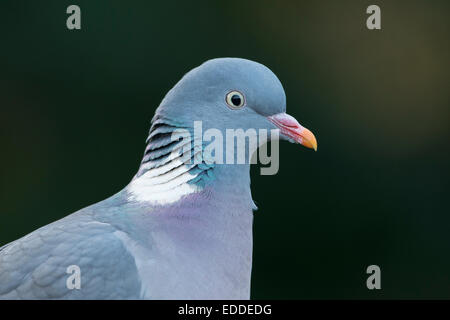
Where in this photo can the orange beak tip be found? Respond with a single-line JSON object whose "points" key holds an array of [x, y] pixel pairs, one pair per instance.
{"points": [[308, 139]]}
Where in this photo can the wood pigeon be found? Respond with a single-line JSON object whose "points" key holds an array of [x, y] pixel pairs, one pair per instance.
{"points": [[182, 228]]}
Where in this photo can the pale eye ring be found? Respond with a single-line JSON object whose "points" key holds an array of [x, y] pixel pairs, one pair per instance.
{"points": [[235, 99]]}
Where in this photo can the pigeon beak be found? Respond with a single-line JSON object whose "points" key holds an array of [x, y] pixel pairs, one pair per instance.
{"points": [[290, 128]]}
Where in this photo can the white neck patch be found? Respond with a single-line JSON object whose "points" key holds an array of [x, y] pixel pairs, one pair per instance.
{"points": [[165, 188]]}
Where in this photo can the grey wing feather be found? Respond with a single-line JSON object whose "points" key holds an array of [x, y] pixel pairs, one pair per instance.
{"points": [[35, 266]]}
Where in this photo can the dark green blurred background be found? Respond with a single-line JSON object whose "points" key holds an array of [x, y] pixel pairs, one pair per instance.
{"points": [[76, 107]]}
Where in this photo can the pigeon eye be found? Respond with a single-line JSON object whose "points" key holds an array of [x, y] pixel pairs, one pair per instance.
{"points": [[235, 100]]}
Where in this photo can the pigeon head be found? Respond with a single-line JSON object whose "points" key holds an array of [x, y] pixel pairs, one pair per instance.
{"points": [[221, 95], [232, 93]]}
